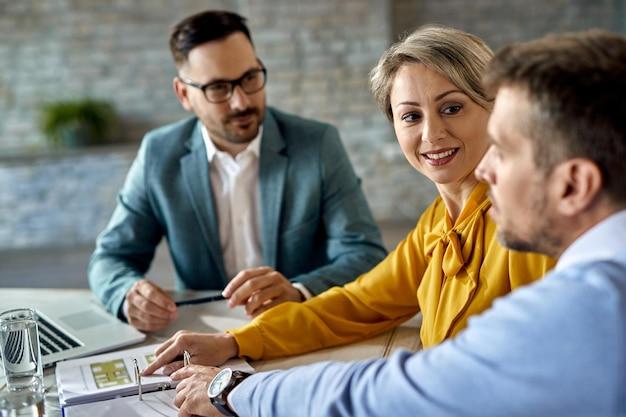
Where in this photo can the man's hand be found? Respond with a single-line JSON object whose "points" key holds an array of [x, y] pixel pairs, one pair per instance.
{"points": [[150, 308], [204, 348], [260, 289], [191, 394]]}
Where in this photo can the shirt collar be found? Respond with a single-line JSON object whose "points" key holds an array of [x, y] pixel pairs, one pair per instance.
{"points": [[211, 150], [603, 241]]}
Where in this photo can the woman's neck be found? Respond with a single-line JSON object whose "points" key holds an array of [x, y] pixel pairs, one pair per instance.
{"points": [[455, 195]]}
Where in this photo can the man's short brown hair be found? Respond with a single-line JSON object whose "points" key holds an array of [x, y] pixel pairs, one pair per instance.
{"points": [[207, 26], [577, 85]]}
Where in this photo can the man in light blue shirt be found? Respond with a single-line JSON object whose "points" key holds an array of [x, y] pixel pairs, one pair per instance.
{"points": [[556, 169]]}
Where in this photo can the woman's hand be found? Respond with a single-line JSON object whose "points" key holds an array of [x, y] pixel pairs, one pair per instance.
{"points": [[205, 349]]}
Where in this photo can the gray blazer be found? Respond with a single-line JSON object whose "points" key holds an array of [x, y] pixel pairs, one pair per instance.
{"points": [[317, 228]]}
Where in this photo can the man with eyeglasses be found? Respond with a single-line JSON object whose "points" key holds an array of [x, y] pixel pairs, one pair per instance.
{"points": [[259, 203]]}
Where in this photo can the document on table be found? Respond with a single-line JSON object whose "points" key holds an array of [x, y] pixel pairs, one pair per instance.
{"points": [[105, 376], [102, 377], [157, 404]]}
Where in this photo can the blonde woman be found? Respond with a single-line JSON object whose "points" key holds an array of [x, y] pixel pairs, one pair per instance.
{"points": [[449, 267]]}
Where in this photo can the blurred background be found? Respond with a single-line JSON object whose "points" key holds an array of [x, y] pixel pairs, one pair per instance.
{"points": [[81, 81]]}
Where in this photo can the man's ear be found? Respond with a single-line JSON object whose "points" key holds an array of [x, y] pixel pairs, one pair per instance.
{"points": [[180, 89], [578, 183]]}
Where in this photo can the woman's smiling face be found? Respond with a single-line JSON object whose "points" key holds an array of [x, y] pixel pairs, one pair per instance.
{"points": [[440, 129]]}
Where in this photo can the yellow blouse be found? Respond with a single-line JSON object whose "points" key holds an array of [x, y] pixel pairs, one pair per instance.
{"points": [[449, 272]]}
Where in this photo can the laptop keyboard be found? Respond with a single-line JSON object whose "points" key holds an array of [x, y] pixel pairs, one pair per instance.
{"points": [[52, 339]]}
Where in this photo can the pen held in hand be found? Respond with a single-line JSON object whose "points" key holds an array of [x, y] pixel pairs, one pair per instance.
{"points": [[200, 300]]}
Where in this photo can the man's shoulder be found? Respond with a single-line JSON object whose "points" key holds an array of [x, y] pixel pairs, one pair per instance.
{"points": [[174, 134], [607, 271], [291, 125], [581, 285], [590, 294], [163, 147]]}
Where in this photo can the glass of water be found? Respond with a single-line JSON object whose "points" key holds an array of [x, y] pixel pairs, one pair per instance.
{"points": [[21, 404], [19, 347]]}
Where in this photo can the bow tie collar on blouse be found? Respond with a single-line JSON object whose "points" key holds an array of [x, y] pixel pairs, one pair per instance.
{"points": [[449, 282]]}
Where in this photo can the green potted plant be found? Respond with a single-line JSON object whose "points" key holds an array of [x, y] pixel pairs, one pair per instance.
{"points": [[76, 123]]}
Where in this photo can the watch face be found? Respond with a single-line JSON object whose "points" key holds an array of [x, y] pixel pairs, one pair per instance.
{"points": [[220, 382]]}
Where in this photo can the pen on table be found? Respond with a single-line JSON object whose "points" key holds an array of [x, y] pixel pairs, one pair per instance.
{"points": [[186, 359], [200, 300], [138, 378]]}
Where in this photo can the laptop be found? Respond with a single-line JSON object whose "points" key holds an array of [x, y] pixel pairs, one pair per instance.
{"points": [[81, 328]]}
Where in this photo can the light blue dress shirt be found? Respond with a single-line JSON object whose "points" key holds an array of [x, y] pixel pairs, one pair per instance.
{"points": [[555, 348]]}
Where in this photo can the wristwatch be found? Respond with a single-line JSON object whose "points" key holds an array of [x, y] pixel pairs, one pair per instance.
{"points": [[221, 385]]}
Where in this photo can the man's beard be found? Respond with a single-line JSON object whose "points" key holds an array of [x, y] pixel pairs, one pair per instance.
{"points": [[231, 134], [543, 237]]}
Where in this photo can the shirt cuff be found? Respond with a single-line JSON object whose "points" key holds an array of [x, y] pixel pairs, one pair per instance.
{"points": [[125, 309], [231, 396], [239, 399], [303, 290]]}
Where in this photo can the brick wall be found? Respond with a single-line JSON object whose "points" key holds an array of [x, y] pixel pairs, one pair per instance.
{"points": [[318, 54], [503, 21], [63, 200]]}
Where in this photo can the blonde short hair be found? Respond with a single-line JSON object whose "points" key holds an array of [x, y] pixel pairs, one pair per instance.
{"points": [[459, 56]]}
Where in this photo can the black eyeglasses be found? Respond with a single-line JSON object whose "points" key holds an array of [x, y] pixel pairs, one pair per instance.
{"points": [[221, 91]]}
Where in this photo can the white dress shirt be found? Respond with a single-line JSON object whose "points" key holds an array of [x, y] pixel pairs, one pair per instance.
{"points": [[235, 184]]}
